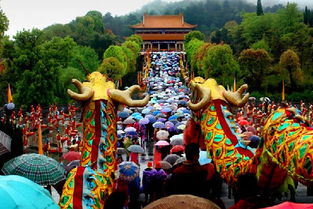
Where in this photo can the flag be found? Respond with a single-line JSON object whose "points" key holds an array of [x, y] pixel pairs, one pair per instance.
{"points": [[40, 150], [235, 85], [283, 91], [10, 99]]}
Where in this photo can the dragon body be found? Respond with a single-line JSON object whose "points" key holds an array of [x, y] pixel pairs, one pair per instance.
{"points": [[286, 151], [90, 184]]}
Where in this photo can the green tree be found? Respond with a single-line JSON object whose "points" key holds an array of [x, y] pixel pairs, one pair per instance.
{"points": [[135, 38], [306, 15], [255, 66], [38, 63], [4, 23], [290, 68], [220, 64], [191, 49], [259, 8], [118, 53], [113, 68], [135, 49], [86, 56], [65, 82], [262, 44], [194, 34]]}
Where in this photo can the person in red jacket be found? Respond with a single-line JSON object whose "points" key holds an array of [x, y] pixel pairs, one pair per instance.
{"points": [[190, 177]]}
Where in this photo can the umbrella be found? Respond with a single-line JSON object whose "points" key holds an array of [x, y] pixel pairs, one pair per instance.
{"points": [[162, 120], [123, 114], [177, 141], [291, 205], [144, 121], [136, 149], [162, 143], [158, 125], [177, 148], [128, 170], [180, 160], [146, 111], [171, 158], [129, 120], [166, 109], [182, 201], [181, 127], [173, 118], [156, 112], [71, 155], [162, 135], [21, 193], [243, 122], [127, 110], [130, 129], [120, 132], [38, 168], [72, 165], [121, 151], [203, 158], [178, 136], [151, 118], [165, 165], [137, 116], [5, 143], [169, 124]]}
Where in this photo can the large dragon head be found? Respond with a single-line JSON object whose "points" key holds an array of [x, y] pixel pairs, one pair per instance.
{"points": [[98, 86], [203, 91]]}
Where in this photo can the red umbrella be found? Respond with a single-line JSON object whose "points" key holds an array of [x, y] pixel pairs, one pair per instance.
{"points": [[71, 155], [178, 148], [243, 122], [291, 205]]}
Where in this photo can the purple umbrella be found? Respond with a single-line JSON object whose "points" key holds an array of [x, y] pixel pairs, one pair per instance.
{"points": [[158, 125], [169, 124], [144, 121], [166, 109], [162, 120]]}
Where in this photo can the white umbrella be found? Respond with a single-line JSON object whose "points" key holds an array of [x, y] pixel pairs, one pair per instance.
{"points": [[162, 135]]}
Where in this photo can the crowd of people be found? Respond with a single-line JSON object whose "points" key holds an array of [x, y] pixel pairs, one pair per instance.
{"points": [[166, 166]]}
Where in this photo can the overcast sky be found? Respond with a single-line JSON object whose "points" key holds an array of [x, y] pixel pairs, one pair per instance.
{"points": [[30, 14]]}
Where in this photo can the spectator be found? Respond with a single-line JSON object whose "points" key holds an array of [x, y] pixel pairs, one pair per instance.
{"points": [[158, 182], [147, 177], [246, 192], [190, 177], [116, 201]]}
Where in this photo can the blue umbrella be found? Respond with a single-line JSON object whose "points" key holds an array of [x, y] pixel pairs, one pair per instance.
{"points": [[158, 125], [173, 117], [123, 114], [203, 158], [156, 112], [166, 109], [138, 117], [136, 114], [21, 193], [146, 111], [128, 170], [151, 118]]}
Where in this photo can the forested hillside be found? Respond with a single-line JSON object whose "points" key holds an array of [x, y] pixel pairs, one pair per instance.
{"points": [[259, 48]]}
